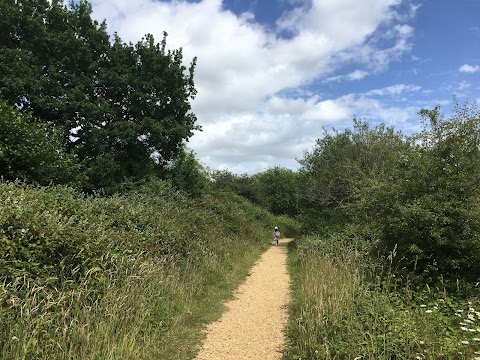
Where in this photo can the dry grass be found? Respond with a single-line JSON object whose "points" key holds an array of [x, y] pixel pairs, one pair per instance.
{"points": [[341, 310]]}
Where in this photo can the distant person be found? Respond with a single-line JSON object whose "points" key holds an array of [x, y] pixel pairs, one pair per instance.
{"points": [[276, 234]]}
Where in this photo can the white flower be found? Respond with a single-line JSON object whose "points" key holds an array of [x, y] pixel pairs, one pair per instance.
{"points": [[422, 342], [464, 342], [472, 330], [14, 338], [422, 306], [476, 339], [464, 328], [468, 321], [428, 311]]}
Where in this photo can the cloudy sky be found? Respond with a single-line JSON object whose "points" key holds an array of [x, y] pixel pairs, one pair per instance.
{"points": [[271, 74]]}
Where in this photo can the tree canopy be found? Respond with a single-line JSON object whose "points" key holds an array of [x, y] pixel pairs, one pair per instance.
{"points": [[122, 109]]}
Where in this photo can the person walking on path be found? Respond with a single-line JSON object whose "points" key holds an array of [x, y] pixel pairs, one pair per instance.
{"points": [[276, 234]]}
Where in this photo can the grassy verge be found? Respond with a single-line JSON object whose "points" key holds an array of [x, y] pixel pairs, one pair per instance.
{"points": [[343, 309], [126, 277]]}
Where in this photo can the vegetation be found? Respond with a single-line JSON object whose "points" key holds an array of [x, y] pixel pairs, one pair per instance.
{"points": [[131, 276], [115, 241], [391, 271], [343, 309], [121, 110], [275, 189]]}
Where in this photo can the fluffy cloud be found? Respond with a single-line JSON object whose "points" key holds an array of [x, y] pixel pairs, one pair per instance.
{"points": [[243, 67], [469, 68]]}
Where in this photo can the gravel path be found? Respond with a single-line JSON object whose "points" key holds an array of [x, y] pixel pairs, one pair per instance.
{"points": [[252, 326]]}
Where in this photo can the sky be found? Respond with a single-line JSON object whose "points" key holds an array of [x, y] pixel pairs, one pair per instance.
{"points": [[271, 75]]}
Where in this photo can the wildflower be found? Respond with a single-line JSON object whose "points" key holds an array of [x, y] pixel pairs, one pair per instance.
{"points": [[422, 342], [476, 339], [459, 311], [464, 328], [471, 309], [14, 338], [422, 306], [428, 311], [468, 321], [464, 342], [441, 300], [472, 330]]}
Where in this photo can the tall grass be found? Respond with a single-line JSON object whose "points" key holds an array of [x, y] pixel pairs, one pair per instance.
{"points": [[128, 277], [343, 308]]}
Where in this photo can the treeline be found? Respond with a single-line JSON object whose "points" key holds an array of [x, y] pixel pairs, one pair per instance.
{"points": [[413, 199], [390, 269], [416, 196]]}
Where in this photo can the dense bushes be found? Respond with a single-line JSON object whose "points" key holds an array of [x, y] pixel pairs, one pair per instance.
{"points": [[145, 266], [418, 194]]}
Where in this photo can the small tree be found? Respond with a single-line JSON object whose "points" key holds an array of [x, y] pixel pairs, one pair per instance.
{"points": [[188, 175]]}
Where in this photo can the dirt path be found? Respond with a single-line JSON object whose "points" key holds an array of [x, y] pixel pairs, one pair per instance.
{"points": [[252, 326]]}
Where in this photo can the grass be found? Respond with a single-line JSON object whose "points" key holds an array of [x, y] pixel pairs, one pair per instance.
{"points": [[129, 277], [343, 309]]}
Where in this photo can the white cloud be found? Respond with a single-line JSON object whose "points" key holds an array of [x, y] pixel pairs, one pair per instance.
{"points": [[243, 67], [469, 68], [395, 90], [286, 127], [354, 75]]}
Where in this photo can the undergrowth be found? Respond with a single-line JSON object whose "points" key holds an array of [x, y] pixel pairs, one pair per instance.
{"points": [[345, 307], [122, 277]]}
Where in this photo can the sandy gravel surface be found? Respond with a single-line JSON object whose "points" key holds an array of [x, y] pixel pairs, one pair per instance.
{"points": [[252, 326]]}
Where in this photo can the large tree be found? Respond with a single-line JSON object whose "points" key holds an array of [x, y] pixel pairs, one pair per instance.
{"points": [[123, 108]]}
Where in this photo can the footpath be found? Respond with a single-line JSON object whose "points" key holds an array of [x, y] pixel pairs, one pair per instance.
{"points": [[252, 325]]}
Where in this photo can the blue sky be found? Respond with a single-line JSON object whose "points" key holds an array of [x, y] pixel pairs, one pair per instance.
{"points": [[271, 74]]}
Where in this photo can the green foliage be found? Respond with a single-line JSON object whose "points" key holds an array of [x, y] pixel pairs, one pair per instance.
{"points": [[188, 175], [33, 151], [278, 190], [123, 109], [127, 276], [417, 195], [275, 189], [342, 309], [243, 185], [332, 174]]}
